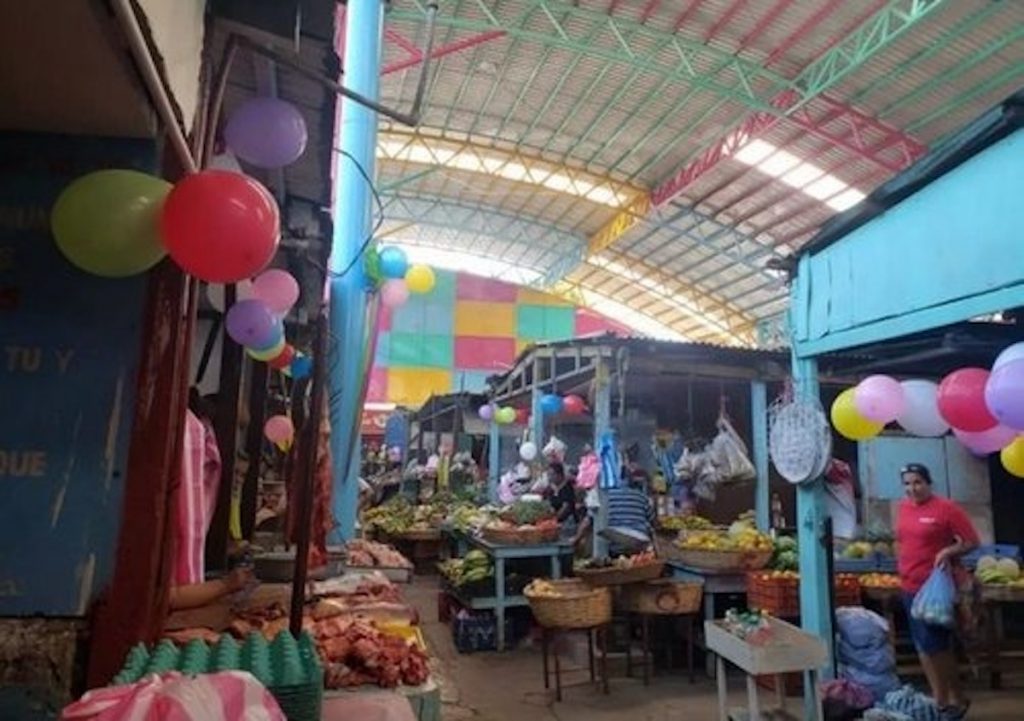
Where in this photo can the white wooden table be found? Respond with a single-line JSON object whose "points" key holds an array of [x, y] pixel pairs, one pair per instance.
{"points": [[788, 650]]}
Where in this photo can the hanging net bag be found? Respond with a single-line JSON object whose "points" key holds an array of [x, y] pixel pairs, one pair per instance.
{"points": [[799, 437]]}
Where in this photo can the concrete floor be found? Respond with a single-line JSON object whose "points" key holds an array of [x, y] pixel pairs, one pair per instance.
{"points": [[509, 686]]}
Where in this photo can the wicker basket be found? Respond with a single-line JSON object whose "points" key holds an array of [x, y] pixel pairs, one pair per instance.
{"points": [[519, 536], [425, 534], [577, 606], [723, 561], [663, 597], [621, 576]]}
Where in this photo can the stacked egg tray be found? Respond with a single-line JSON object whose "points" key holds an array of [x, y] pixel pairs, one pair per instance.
{"points": [[289, 668]]}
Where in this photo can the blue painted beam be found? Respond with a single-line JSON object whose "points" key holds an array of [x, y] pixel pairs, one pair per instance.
{"points": [[352, 226], [602, 422], [493, 461], [759, 432]]}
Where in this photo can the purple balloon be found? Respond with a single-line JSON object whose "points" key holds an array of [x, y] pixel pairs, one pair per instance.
{"points": [[1004, 394], [879, 398], [486, 412], [250, 323], [267, 132], [984, 442]]}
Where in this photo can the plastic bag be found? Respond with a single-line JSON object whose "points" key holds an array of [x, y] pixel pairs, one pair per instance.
{"points": [[861, 628], [554, 450], [176, 697], [729, 454], [935, 603], [589, 470]]}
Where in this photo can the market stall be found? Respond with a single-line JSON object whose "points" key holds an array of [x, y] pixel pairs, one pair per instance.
{"points": [[970, 186]]}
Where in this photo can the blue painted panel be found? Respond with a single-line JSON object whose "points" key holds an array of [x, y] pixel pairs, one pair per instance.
{"points": [[409, 318], [70, 343], [439, 316], [944, 254], [470, 381]]}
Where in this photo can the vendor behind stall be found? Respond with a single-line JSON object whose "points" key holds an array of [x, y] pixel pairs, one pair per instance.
{"points": [[196, 500], [630, 511], [562, 497]]}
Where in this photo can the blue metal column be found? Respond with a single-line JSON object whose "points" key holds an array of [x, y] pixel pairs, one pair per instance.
{"points": [[815, 616], [364, 25], [536, 415], [493, 460], [602, 423], [759, 431]]}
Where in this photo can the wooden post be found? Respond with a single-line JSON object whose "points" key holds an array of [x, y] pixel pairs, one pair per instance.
{"points": [[254, 445]]}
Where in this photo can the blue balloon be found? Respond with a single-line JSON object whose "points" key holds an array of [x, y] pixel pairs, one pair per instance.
{"points": [[551, 404], [301, 366], [393, 263]]}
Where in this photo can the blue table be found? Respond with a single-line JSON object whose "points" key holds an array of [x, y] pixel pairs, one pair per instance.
{"points": [[499, 554]]}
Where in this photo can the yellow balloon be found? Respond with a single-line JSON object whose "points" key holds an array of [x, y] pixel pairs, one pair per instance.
{"points": [[1013, 457], [849, 422], [420, 279], [269, 353]]}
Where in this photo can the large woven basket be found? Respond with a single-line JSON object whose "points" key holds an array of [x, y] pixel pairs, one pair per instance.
{"points": [[576, 606], [664, 597], [519, 536], [621, 576], [723, 561], [424, 534]]}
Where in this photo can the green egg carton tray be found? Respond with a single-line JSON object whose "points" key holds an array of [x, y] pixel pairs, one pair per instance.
{"points": [[290, 668]]}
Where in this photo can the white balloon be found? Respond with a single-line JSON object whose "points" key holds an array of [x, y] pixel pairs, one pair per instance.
{"points": [[528, 451], [920, 414], [1011, 353], [215, 293]]}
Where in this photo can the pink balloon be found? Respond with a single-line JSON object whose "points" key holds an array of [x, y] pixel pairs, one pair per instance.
{"points": [[394, 293], [277, 289], [280, 431], [879, 398], [982, 443]]}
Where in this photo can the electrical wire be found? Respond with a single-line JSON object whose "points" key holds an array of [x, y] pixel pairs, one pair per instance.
{"points": [[377, 224]]}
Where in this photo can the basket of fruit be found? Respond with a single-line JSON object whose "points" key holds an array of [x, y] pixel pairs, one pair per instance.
{"points": [[619, 571], [774, 592], [682, 526], [503, 533], [663, 597], [568, 603], [741, 548]]}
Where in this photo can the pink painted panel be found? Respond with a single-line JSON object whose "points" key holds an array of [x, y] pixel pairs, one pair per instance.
{"points": [[377, 392], [589, 323], [490, 354], [473, 287]]}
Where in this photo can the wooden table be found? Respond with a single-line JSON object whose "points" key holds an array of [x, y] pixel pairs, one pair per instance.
{"points": [[788, 650], [715, 584], [993, 600]]}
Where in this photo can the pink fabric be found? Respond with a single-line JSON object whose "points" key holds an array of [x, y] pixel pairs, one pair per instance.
{"points": [[197, 498], [226, 696]]}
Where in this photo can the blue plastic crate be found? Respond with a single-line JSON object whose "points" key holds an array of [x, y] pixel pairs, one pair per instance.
{"points": [[479, 632], [999, 550]]}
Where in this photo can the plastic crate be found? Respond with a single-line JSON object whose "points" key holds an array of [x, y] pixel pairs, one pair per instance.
{"points": [[847, 590], [999, 550], [479, 631], [777, 596]]}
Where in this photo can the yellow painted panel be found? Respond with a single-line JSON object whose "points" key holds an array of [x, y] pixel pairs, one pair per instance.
{"points": [[413, 386], [486, 320], [529, 296]]}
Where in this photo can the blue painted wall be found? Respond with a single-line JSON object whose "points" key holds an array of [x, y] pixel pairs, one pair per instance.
{"points": [[69, 346], [947, 253]]}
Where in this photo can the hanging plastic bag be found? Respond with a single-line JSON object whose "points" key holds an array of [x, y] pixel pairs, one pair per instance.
{"points": [[935, 603], [554, 450], [176, 697], [589, 470], [729, 453]]}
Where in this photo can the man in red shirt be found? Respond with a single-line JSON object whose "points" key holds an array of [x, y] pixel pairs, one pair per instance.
{"points": [[932, 532]]}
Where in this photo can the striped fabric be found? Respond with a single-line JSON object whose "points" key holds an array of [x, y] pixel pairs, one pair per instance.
{"points": [[225, 696], [197, 497], [630, 508]]}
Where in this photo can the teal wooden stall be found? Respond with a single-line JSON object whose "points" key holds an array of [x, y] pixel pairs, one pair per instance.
{"points": [[939, 244]]}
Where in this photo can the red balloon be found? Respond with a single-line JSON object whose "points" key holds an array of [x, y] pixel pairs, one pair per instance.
{"points": [[283, 359], [522, 416], [961, 400], [573, 405], [219, 226]]}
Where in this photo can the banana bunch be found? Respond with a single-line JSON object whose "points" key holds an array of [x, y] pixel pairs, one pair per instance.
{"points": [[998, 571], [475, 566]]}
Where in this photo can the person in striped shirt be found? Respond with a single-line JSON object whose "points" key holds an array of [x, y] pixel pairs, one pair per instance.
{"points": [[629, 510]]}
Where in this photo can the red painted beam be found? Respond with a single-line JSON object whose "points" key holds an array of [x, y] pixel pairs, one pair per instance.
{"points": [[765, 22], [724, 19], [441, 51], [649, 9], [402, 42], [686, 15], [805, 27]]}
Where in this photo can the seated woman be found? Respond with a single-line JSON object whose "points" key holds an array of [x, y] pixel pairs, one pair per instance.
{"points": [[196, 500]]}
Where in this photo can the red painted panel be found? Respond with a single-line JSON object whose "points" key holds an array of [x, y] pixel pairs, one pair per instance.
{"points": [[491, 354], [589, 323], [473, 287]]}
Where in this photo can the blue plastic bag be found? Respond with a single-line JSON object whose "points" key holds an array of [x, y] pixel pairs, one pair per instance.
{"points": [[935, 602]]}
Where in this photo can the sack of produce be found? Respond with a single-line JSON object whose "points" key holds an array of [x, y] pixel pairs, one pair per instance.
{"points": [[913, 704], [844, 700], [861, 628], [935, 602]]}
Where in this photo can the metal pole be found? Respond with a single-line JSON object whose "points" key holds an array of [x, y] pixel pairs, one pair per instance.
{"points": [[759, 428], [352, 226], [493, 461]]}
